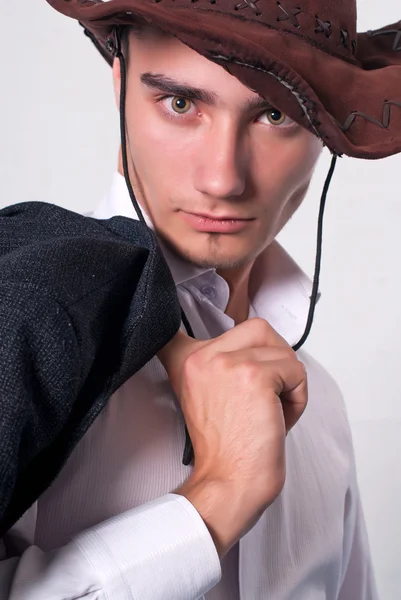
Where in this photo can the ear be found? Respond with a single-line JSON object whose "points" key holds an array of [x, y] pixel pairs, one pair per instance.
{"points": [[117, 81]]}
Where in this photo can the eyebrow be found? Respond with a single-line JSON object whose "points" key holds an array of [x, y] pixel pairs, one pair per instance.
{"points": [[171, 87]]}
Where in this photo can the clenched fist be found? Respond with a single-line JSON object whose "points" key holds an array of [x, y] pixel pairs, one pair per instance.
{"points": [[240, 394]]}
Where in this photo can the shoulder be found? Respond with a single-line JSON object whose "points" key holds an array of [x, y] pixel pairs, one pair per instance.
{"points": [[321, 382], [326, 411]]}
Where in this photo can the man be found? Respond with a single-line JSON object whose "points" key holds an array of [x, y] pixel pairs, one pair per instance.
{"points": [[270, 508]]}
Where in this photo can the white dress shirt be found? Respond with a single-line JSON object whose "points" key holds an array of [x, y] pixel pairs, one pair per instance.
{"points": [[109, 527]]}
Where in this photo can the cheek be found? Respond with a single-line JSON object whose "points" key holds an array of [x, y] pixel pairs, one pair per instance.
{"points": [[287, 167], [162, 155]]}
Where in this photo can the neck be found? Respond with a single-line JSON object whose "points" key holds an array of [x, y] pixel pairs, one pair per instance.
{"points": [[238, 282]]}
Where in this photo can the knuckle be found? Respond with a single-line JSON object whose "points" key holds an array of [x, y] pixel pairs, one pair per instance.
{"points": [[221, 362], [289, 354], [247, 372], [302, 368], [297, 368], [263, 334], [260, 329]]}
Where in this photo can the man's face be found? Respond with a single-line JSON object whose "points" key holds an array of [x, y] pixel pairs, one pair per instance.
{"points": [[218, 171]]}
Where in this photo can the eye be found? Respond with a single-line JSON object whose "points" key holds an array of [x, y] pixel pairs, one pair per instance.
{"points": [[180, 105], [276, 117]]}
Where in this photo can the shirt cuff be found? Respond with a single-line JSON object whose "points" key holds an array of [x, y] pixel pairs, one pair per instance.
{"points": [[161, 550]]}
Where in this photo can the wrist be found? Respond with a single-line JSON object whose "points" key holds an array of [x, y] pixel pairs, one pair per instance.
{"points": [[228, 510]]}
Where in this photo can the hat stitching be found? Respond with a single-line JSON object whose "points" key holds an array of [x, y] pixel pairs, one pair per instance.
{"points": [[245, 4], [344, 37], [384, 124], [307, 105], [397, 37], [323, 27], [288, 15], [303, 101], [344, 34]]}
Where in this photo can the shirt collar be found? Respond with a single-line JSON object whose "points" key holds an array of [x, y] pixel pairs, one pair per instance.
{"points": [[279, 290]]}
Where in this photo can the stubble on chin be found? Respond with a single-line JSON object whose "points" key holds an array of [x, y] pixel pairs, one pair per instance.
{"points": [[213, 259]]}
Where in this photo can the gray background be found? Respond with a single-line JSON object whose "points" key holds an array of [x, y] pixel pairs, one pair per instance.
{"points": [[59, 144]]}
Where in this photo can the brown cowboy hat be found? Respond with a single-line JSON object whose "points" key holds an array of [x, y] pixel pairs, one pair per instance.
{"points": [[304, 56]]}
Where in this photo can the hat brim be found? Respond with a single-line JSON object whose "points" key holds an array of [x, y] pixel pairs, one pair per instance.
{"points": [[353, 104]]}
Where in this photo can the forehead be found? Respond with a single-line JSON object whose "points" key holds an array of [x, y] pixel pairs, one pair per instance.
{"points": [[153, 51]]}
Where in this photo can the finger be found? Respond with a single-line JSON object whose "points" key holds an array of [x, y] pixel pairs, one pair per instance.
{"points": [[260, 354], [294, 394], [253, 333], [293, 410], [290, 378], [281, 373], [289, 381]]}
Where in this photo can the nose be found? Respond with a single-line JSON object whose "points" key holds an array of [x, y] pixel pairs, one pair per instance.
{"points": [[221, 165]]}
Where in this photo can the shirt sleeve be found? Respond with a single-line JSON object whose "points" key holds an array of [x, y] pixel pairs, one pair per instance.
{"points": [[159, 551]]}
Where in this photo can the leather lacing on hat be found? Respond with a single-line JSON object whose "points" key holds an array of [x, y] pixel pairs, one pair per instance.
{"points": [[283, 15]]}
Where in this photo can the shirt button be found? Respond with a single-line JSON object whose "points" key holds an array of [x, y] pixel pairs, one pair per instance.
{"points": [[208, 291]]}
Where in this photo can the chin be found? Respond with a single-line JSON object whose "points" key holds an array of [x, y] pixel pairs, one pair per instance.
{"points": [[212, 252], [215, 260]]}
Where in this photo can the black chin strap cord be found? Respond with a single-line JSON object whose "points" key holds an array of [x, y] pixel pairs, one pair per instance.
{"points": [[123, 129], [318, 259], [188, 455]]}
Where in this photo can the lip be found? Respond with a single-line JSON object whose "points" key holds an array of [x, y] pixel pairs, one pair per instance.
{"points": [[213, 224]]}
